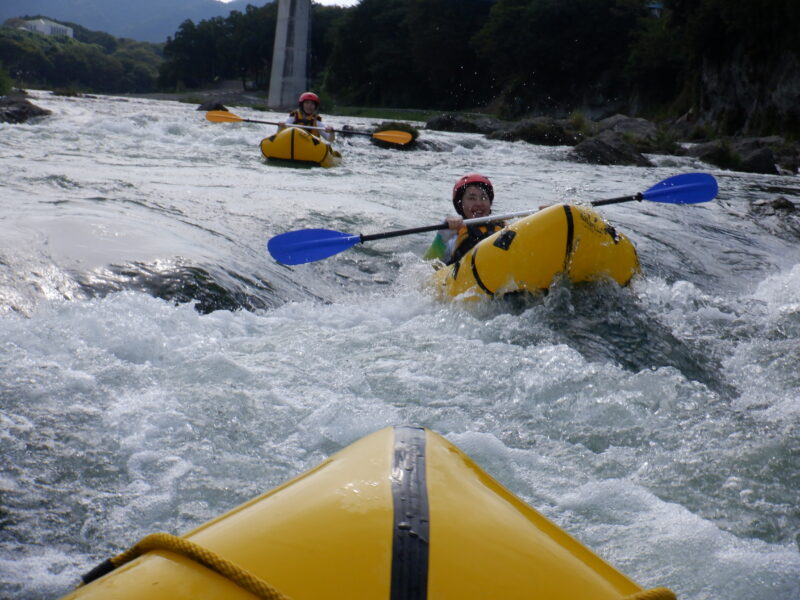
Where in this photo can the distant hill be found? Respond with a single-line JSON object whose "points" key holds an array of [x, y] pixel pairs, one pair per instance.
{"points": [[90, 61], [144, 20]]}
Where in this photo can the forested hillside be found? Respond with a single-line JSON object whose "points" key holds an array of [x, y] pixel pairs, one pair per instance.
{"points": [[91, 61], [240, 47], [731, 66], [143, 20]]}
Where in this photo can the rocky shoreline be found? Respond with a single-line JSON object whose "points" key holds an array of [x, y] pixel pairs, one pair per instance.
{"points": [[616, 140], [624, 140], [16, 108]]}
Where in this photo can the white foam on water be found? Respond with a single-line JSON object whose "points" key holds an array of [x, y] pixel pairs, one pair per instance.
{"points": [[188, 415], [124, 415], [668, 545]]}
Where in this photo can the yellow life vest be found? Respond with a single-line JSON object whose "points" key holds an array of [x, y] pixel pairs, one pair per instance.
{"points": [[301, 118], [470, 235]]}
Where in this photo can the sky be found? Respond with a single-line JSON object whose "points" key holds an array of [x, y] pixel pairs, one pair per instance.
{"points": [[325, 2]]}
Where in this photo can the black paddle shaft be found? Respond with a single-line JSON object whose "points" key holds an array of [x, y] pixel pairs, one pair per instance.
{"points": [[390, 234], [639, 197], [307, 127]]}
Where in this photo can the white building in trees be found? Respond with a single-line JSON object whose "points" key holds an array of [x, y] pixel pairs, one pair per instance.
{"points": [[48, 27]]}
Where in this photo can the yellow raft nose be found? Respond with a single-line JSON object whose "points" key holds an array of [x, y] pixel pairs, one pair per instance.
{"points": [[529, 253], [298, 145], [401, 514]]}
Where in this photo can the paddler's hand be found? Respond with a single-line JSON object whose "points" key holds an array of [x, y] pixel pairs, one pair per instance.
{"points": [[454, 222]]}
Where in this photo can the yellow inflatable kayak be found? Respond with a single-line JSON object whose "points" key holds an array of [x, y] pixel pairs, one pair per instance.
{"points": [[529, 253], [401, 514], [298, 145]]}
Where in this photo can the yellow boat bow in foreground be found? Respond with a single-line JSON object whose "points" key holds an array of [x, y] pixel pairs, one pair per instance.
{"points": [[401, 514]]}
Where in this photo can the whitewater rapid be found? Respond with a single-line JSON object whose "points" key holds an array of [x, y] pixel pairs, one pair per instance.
{"points": [[158, 368]]}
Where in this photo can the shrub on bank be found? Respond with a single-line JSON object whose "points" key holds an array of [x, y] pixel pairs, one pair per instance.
{"points": [[6, 83]]}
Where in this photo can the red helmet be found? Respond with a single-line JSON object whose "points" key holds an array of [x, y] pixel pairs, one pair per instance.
{"points": [[308, 96], [467, 180]]}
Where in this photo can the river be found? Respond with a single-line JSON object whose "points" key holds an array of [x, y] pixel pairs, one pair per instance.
{"points": [[158, 367]]}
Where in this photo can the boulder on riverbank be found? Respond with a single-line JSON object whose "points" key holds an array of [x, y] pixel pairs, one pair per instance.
{"points": [[211, 105], [540, 130], [465, 124], [395, 126], [780, 216], [643, 135], [778, 205], [15, 108], [623, 140], [615, 140], [771, 155], [608, 148]]}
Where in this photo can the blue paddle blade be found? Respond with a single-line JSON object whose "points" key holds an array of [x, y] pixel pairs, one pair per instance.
{"points": [[689, 188], [307, 245]]}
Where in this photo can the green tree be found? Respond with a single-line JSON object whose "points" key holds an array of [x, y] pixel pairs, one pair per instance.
{"points": [[239, 45], [254, 36], [324, 21], [756, 38], [656, 61], [182, 66], [443, 58], [6, 83], [553, 54], [369, 59], [25, 60]]}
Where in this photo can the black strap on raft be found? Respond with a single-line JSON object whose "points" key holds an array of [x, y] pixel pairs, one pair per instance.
{"points": [[477, 275], [410, 542], [411, 525], [570, 236], [103, 568]]}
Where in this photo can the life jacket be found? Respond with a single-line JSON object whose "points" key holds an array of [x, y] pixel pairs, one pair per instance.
{"points": [[470, 235], [301, 118]]}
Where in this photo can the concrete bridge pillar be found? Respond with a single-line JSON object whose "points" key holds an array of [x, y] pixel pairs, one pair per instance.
{"points": [[289, 75]]}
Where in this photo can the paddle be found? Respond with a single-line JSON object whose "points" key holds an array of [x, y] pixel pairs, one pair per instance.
{"points": [[689, 188], [392, 137], [308, 245]]}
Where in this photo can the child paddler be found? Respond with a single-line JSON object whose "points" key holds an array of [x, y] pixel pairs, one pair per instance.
{"points": [[473, 195], [306, 114]]}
